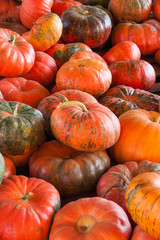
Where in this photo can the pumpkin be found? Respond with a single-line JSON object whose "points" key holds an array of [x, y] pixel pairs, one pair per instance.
{"points": [[146, 35], [139, 138], [88, 75], [50, 103], [45, 33], [156, 9], [122, 51], [113, 183], [133, 73], [16, 55], [157, 57], [61, 52], [71, 172], [15, 27], [121, 98], [44, 69], [28, 206], [31, 10], [87, 54], [59, 6], [10, 168], [139, 234], [86, 127], [22, 127], [142, 200], [86, 24], [12, 15], [103, 3], [5, 5], [2, 167], [90, 218], [131, 10], [22, 90]]}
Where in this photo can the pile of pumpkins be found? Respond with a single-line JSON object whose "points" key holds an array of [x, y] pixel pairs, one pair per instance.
{"points": [[76, 112]]}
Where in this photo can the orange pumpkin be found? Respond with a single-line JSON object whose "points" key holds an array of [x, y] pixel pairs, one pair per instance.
{"points": [[10, 168]]}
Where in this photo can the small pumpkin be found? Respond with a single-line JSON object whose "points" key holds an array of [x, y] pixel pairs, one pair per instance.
{"points": [[22, 127], [86, 24], [142, 200], [90, 218]]}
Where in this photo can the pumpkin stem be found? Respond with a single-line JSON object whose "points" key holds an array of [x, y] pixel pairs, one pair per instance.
{"points": [[26, 197], [157, 119], [15, 110], [81, 105], [12, 40], [85, 12], [62, 97], [85, 223]]}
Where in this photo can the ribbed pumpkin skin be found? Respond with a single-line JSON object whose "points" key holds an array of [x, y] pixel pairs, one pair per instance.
{"points": [[113, 183], [49, 104], [157, 57], [139, 234], [156, 9], [28, 206], [5, 5], [139, 138], [16, 55], [122, 51], [143, 199], [88, 75], [45, 33], [60, 6], [22, 127], [146, 35], [2, 167], [86, 24], [133, 73], [121, 98], [90, 218], [71, 172], [92, 129], [31, 10], [62, 52], [131, 10]]}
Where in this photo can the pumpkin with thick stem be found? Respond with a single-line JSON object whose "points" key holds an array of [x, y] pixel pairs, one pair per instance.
{"points": [[22, 127], [28, 206], [142, 200], [86, 127], [121, 98], [86, 24], [139, 138], [90, 218]]}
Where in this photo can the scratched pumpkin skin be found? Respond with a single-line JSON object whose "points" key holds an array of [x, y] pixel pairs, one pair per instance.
{"points": [[133, 73]]}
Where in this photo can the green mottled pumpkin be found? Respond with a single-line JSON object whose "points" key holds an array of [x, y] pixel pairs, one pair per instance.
{"points": [[21, 127], [2, 167]]}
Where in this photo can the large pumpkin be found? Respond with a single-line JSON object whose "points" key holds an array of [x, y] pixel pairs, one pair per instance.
{"points": [[139, 138], [146, 35], [86, 24], [16, 55], [88, 75], [90, 218], [121, 98], [133, 73], [71, 172], [27, 206], [142, 200], [131, 10], [90, 127], [21, 127]]}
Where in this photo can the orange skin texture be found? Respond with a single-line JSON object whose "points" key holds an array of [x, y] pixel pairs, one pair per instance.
{"points": [[134, 73], [122, 51], [156, 9], [139, 234], [131, 10], [12, 15], [142, 200], [88, 75], [90, 218], [146, 35], [10, 168], [31, 10], [22, 90], [28, 206], [157, 57], [5, 5], [45, 32], [140, 134], [60, 6]]}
